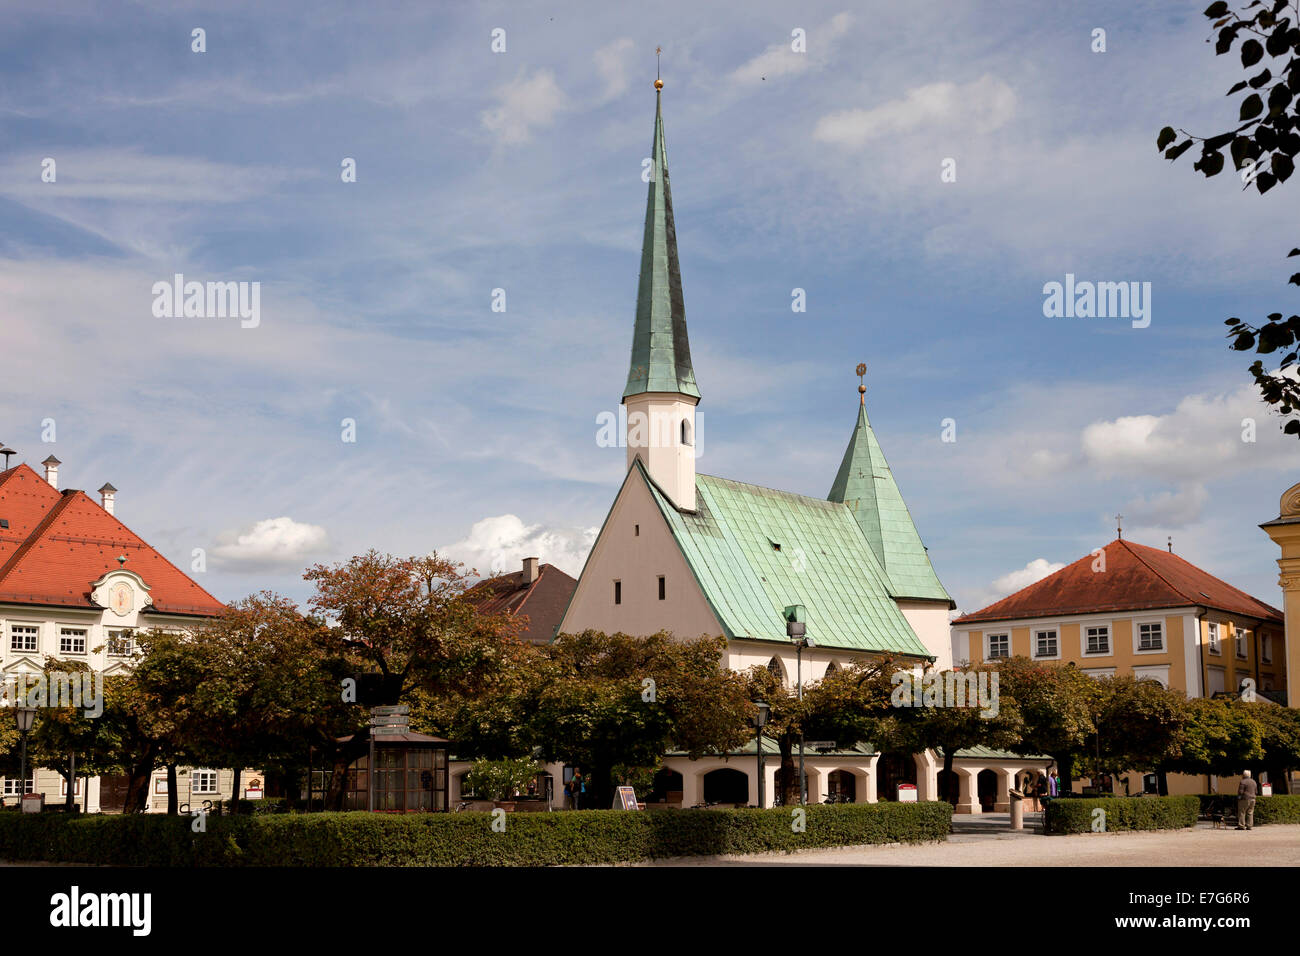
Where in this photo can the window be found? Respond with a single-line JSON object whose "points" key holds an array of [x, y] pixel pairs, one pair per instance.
{"points": [[203, 781], [999, 645], [686, 432], [1098, 640], [1214, 638], [11, 785], [120, 644], [63, 787], [1266, 648], [1150, 637], [1045, 644], [776, 670], [618, 592], [160, 786], [661, 587], [1241, 642], [22, 637], [636, 530], [72, 640]]}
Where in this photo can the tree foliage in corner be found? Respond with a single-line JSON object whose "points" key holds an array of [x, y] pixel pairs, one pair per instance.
{"points": [[1263, 149]]}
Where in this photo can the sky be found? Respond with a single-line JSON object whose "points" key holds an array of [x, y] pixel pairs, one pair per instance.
{"points": [[921, 172]]}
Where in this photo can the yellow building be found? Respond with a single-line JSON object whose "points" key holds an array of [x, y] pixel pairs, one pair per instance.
{"points": [[1130, 609]]}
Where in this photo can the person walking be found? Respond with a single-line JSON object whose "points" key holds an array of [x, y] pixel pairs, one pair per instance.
{"points": [[1246, 791], [578, 788]]}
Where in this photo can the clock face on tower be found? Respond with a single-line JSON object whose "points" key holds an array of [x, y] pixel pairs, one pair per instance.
{"points": [[121, 599]]}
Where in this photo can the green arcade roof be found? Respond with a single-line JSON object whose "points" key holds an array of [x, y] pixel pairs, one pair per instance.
{"points": [[866, 485], [661, 353], [754, 551]]}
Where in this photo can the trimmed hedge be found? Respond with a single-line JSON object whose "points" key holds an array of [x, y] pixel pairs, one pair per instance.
{"points": [[459, 839], [1279, 808], [1123, 813]]}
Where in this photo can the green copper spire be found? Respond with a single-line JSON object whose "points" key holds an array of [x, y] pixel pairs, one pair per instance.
{"points": [[866, 485], [661, 352]]}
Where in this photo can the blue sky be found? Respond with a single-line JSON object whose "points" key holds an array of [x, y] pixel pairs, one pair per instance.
{"points": [[521, 170]]}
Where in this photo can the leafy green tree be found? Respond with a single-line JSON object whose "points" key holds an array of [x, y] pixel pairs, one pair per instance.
{"points": [[1219, 737], [1056, 704], [948, 729], [1138, 723], [1263, 148]]}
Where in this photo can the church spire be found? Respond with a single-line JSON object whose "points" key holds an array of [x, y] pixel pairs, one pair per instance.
{"points": [[866, 485], [661, 352]]}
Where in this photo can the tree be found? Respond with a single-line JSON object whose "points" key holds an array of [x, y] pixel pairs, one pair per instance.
{"points": [[1263, 148], [1056, 704], [1219, 738], [408, 620], [604, 701], [1138, 723], [949, 725], [1279, 739]]}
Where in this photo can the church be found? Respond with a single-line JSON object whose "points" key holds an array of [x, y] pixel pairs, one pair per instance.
{"points": [[702, 555]]}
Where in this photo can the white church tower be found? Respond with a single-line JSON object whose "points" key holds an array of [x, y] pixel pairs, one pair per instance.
{"points": [[661, 394]]}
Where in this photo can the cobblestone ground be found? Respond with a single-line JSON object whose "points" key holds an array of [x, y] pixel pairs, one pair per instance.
{"points": [[981, 845]]}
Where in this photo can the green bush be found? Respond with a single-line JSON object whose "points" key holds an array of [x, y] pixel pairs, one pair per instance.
{"points": [[1123, 813], [459, 839]]}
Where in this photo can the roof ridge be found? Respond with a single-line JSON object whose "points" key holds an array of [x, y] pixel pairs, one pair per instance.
{"points": [[780, 491], [1179, 557], [1150, 567]]}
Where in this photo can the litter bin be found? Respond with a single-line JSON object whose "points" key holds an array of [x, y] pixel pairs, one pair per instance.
{"points": [[1017, 810]]}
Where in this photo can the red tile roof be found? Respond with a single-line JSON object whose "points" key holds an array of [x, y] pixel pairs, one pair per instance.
{"points": [[1136, 578], [543, 602], [58, 543]]}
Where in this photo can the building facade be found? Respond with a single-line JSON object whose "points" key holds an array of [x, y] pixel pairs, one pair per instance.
{"points": [[76, 584], [703, 555]]}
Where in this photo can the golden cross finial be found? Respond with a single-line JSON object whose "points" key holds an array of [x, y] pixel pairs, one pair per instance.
{"points": [[1119, 526], [659, 84], [862, 388]]}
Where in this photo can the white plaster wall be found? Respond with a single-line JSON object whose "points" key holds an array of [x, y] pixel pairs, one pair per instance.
{"points": [[670, 463], [637, 560], [929, 619]]}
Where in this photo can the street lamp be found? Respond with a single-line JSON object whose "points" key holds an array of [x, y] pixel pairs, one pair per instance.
{"points": [[760, 721], [796, 628], [24, 717]]}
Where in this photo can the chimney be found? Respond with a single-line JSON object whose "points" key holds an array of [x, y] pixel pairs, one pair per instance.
{"points": [[531, 570], [52, 471], [106, 495]]}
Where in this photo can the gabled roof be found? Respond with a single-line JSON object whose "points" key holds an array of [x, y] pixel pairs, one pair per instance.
{"points": [[866, 485], [1135, 578], [755, 551], [59, 543], [661, 351], [543, 602]]}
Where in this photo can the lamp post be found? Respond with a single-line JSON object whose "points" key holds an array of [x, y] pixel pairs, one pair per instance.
{"points": [[25, 717], [796, 628], [760, 721]]}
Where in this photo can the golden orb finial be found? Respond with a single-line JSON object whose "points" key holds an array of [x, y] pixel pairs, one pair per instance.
{"points": [[659, 84]]}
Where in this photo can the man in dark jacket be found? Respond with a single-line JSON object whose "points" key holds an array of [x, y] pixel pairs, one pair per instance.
{"points": [[1246, 791]]}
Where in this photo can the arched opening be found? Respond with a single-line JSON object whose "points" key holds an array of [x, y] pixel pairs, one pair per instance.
{"points": [[894, 769], [949, 786], [776, 669], [667, 787], [841, 787], [986, 785], [726, 786], [686, 432], [831, 668]]}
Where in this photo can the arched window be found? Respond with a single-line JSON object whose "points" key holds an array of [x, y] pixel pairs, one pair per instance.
{"points": [[686, 432], [776, 669], [832, 668]]}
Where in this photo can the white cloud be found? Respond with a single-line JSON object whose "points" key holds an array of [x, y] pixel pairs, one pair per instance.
{"points": [[1199, 439], [524, 104], [1168, 509], [980, 106], [271, 542], [780, 59], [499, 544], [1013, 581], [612, 65]]}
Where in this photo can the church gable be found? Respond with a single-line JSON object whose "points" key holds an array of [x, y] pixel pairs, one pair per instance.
{"points": [[634, 550]]}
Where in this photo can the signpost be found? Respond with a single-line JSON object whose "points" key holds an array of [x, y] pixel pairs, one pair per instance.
{"points": [[821, 745], [625, 799]]}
